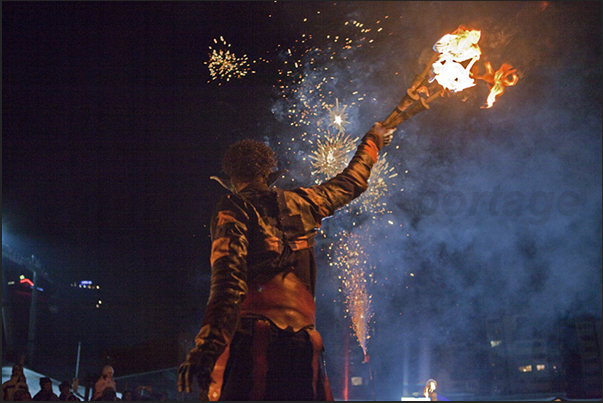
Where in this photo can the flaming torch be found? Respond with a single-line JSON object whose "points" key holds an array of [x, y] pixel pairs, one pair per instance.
{"points": [[451, 69]]}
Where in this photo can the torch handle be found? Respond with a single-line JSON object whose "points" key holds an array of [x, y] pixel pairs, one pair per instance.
{"points": [[402, 111], [393, 119], [422, 78], [399, 115]]}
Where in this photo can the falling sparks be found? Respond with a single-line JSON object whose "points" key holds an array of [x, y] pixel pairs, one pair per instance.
{"points": [[224, 64], [331, 155], [351, 259], [306, 81], [308, 87]]}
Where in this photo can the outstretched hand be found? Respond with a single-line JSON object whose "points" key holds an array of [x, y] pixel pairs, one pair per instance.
{"points": [[387, 134]]}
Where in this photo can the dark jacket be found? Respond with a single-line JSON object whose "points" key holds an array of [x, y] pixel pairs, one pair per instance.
{"points": [[45, 396], [262, 255], [70, 397]]}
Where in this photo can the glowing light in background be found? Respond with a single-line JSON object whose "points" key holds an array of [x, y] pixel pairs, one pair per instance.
{"points": [[338, 116], [310, 75], [24, 280]]}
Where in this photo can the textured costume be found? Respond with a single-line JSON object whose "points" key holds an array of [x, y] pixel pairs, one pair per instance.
{"points": [[257, 339]]}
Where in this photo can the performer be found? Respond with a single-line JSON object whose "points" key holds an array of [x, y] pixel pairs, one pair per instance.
{"points": [[430, 390], [258, 339]]}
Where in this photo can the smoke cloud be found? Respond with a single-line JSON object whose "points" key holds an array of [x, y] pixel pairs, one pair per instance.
{"points": [[493, 212]]}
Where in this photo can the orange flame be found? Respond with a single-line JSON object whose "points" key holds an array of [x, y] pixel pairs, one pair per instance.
{"points": [[458, 52], [498, 80]]}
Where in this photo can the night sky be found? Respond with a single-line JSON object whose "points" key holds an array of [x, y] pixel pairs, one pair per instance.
{"points": [[112, 127]]}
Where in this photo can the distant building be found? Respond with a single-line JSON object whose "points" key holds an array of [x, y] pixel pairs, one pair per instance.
{"points": [[584, 353], [35, 306], [24, 284], [565, 360], [523, 361]]}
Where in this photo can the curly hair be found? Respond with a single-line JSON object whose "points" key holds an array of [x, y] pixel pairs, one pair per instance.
{"points": [[248, 159]]}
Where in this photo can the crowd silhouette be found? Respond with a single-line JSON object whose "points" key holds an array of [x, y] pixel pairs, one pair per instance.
{"points": [[96, 388]]}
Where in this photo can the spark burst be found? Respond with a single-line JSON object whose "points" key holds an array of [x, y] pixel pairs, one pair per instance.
{"points": [[332, 155], [224, 64], [309, 74], [338, 116], [369, 201], [308, 81], [350, 258]]}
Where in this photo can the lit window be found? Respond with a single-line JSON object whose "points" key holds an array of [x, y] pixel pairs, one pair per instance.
{"points": [[540, 367], [494, 343], [525, 368], [356, 380]]}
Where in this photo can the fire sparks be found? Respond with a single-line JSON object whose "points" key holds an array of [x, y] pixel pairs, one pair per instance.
{"points": [[309, 81], [350, 257], [310, 75], [331, 156], [223, 64], [372, 200], [338, 116], [498, 81]]}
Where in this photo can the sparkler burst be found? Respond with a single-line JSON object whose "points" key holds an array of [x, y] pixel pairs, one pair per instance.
{"points": [[370, 200], [224, 64], [355, 275], [338, 116], [311, 74], [331, 155]]}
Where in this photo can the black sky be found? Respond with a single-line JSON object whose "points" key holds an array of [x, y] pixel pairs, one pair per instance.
{"points": [[111, 127]]}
